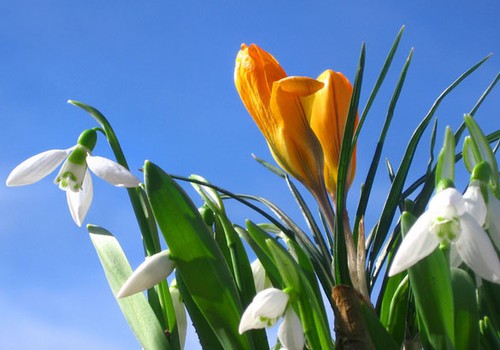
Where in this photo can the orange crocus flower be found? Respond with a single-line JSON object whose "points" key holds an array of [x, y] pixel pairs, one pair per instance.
{"points": [[274, 101]]}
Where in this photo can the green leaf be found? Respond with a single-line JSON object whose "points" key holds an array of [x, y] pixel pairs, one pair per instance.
{"points": [[398, 308], [256, 239], [466, 312], [340, 258], [394, 197], [239, 263], [198, 258], [380, 337], [430, 283], [370, 177], [136, 308], [208, 338]]}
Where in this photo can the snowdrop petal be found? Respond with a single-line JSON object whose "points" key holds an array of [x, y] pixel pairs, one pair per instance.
{"points": [[474, 203], [259, 276], [447, 203], [493, 219], [476, 250], [264, 310], [417, 244], [180, 312], [290, 332], [455, 259], [151, 272], [79, 202], [112, 172], [37, 167]]}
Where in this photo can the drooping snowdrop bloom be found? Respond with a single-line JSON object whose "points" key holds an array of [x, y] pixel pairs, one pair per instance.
{"points": [[486, 210], [152, 271], [447, 220], [74, 177], [264, 311]]}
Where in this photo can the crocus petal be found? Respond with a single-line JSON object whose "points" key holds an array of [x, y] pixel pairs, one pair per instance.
{"points": [[79, 202], [294, 145], [254, 74], [290, 332], [476, 250], [474, 203], [112, 172], [327, 111], [267, 306], [37, 167], [151, 272], [416, 245]]}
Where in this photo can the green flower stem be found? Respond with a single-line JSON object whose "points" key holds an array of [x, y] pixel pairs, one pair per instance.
{"points": [[140, 205]]}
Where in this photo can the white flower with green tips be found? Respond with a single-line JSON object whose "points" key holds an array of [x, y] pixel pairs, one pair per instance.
{"points": [[73, 177], [450, 219], [266, 308]]}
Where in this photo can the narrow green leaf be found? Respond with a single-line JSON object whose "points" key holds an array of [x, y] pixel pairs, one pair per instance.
{"points": [[238, 263], [380, 80], [136, 308], [370, 177], [311, 223], [394, 196], [256, 239], [340, 259], [198, 259], [398, 309], [466, 312], [430, 284], [380, 337]]}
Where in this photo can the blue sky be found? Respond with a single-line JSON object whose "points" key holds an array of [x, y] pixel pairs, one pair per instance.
{"points": [[162, 72]]}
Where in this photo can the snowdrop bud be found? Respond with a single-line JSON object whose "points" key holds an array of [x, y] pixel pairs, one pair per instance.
{"points": [[151, 272], [445, 168], [469, 152]]}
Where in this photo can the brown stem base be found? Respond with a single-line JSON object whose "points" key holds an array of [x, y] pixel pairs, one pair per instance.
{"points": [[350, 328]]}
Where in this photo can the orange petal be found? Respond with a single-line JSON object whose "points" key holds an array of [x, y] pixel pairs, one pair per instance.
{"points": [[295, 146], [327, 111], [254, 74]]}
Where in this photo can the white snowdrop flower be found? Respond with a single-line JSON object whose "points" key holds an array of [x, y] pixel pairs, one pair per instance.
{"points": [[73, 177], [447, 219]]}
